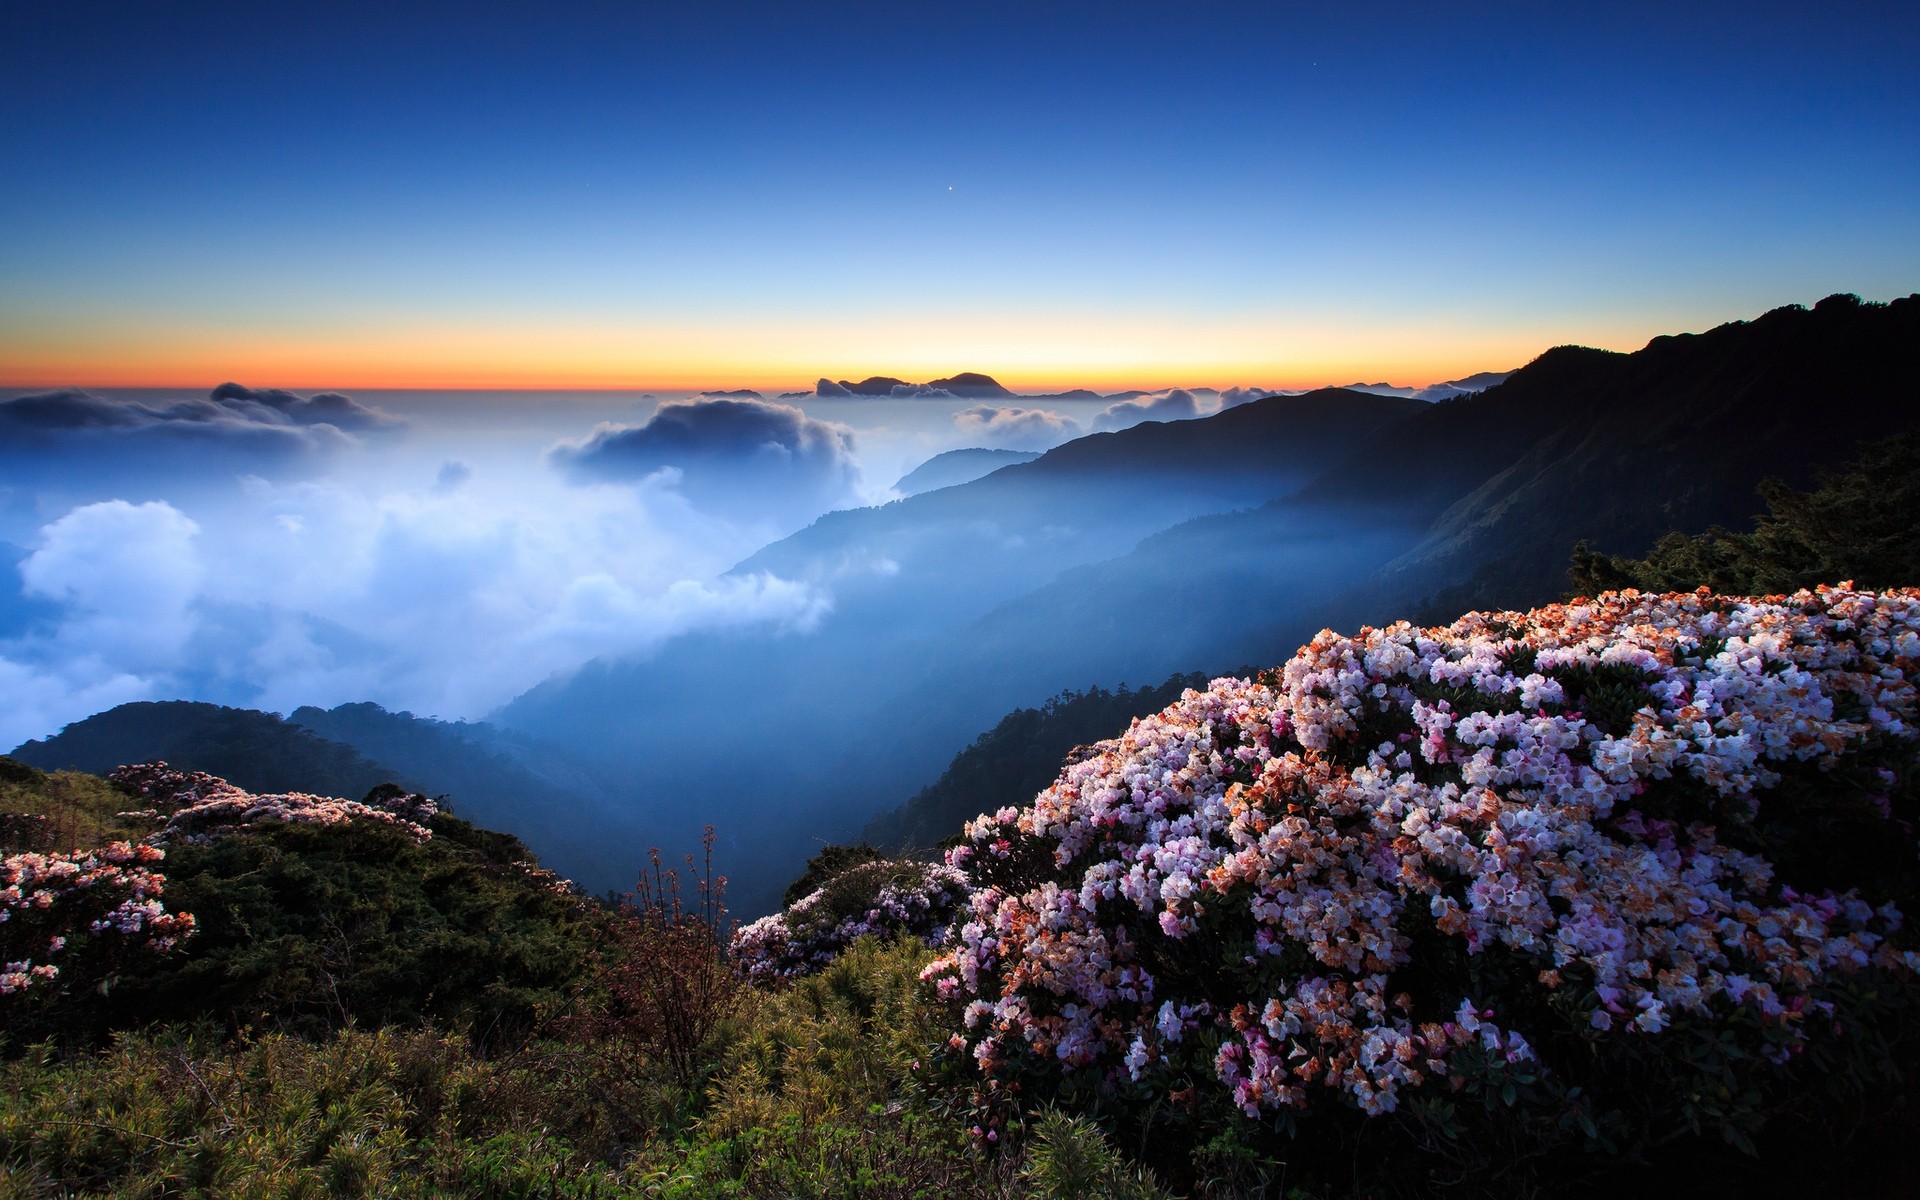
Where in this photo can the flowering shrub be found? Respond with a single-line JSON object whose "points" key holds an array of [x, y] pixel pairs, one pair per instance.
{"points": [[1492, 858], [883, 897], [69, 917], [198, 808]]}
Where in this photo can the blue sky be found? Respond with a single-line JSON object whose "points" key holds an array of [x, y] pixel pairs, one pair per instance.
{"points": [[335, 195]]}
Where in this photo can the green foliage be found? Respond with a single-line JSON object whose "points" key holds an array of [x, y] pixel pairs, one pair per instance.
{"points": [[306, 929], [831, 861], [821, 1096], [1072, 1159], [1016, 758], [1860, 524], [63, 810], [12, 770], [363, 1114]]}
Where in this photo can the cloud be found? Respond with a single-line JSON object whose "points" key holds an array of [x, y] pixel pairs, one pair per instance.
{"points": [[1233, 397], [1174, 404], [74, 442], [322, 408], [126, 576], [741, 459], [597, 614], [41, 701], [827, 387], [997, 427], [920, 391]]}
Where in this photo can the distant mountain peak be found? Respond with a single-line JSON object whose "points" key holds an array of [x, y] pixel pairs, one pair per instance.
{"points": [[972, 385], [874, 385]]}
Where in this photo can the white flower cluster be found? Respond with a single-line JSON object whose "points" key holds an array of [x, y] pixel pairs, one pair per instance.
{"points": [[920, 899], [199, 808], [1449, 781], [46, 900]]}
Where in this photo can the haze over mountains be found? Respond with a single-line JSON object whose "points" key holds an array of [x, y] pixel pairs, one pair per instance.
{"points": [[1203, 544]]}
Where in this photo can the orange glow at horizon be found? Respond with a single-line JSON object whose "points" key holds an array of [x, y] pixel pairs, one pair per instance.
{"points": [[1037, 354]]}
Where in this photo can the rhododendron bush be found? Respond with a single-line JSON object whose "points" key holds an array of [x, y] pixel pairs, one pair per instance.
{"points": [[68, 920], [1607, 849], [885, 897], [197, 807]]}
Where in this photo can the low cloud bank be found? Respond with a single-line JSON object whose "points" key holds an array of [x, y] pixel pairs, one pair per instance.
{"points": [[321, 408], [743, 459], [1007, 427], [1233, 397], [71, 441], [1174, 404]]}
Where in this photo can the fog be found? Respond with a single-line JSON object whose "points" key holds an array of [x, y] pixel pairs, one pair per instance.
{"points": [[440, 552], [632, 577]]}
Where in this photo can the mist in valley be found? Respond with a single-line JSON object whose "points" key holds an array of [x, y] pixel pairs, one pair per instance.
{"points": [[638, 594], [615, 619]]}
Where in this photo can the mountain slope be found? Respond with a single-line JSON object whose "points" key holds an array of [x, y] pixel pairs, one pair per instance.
{"points": [[957, 467], [1137, 554], [508, 783], [258, 751]]}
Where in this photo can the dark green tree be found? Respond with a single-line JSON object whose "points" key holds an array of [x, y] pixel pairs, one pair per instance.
{"points": [[1860, 524]]}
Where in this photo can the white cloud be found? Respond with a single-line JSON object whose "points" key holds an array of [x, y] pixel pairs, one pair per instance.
{"points": [[1006, 427], [743, 458], [1233, 397], [1174, 404], [127, 575], [40, 701]]}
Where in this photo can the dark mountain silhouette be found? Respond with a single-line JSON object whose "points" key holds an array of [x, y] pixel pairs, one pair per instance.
{"points": [[958, 466], [538, 792], [1203, 545], [1070, 394], [1015, 759], [1477, 382], [504, 780], [973, 385], [874, 385], [1476, 502], [1675, 436], [258, 751]]}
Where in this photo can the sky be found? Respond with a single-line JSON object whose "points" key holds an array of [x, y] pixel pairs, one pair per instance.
{"points": [[681, 196], [355, 352]]}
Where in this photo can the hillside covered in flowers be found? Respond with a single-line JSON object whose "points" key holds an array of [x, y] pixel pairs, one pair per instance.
{"points": [[1608, 869], [1611, 894]]}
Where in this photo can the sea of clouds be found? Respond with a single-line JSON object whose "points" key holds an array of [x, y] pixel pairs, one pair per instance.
{"points": [[261, 548]]}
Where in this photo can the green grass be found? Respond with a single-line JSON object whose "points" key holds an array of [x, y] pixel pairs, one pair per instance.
{"points": [[811, 1091]]}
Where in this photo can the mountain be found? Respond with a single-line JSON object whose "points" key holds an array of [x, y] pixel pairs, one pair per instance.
{"points": [[1381, 389], [537, 791], [1675, 436], [258, 751], [503, 780], [906, 579], [1478, 382], [1476, 502], [1202, 545], [875, 385], [958, 466], [1070, 394], [1015, 759], [971, 385]]}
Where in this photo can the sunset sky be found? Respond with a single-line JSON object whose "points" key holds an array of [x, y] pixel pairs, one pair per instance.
{"points": [[730, 194]]}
